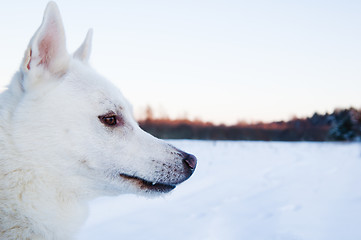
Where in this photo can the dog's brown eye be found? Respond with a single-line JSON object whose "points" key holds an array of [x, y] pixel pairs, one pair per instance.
{"points": [[109, 120]]}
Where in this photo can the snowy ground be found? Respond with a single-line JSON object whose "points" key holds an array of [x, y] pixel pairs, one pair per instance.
{"points": [[246, 191]]}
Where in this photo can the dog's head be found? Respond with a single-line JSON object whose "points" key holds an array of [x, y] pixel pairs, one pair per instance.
{"points": [[73, 121]]}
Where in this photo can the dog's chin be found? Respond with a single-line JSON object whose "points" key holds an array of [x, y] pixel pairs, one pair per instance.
{"points": [[146, 186]]}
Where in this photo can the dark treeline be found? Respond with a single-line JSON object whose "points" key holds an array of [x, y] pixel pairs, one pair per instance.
{"points": [[341, 125]]}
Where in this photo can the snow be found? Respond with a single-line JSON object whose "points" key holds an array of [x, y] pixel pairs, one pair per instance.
{"points": [[245, 190]]}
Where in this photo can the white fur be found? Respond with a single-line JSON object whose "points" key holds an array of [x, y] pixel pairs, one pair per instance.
{"points": [[56, 154]]}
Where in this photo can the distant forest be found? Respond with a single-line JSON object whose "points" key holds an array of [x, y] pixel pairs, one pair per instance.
{"points": [[341, 125]]}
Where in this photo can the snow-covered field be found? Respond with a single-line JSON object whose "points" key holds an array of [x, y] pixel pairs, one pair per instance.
{"points": [[246, 191]]}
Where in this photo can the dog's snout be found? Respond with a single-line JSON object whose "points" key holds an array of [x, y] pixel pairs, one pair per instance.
{"points": [[191, 161]]}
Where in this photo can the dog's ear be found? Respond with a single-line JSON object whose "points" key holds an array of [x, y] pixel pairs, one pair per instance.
{"points": [[83, 52], [47, 48]]}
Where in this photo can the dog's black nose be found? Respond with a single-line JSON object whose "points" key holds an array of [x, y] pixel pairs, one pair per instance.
{"points": [[191, 161]]}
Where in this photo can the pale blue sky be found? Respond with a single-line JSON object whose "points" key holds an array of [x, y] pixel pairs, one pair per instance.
{"points": [[219, 60]]}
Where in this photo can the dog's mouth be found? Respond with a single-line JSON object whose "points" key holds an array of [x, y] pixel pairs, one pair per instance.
{"points": [[148, 186]]}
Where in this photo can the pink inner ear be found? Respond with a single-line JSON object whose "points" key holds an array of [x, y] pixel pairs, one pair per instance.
{"points": [[48, 45], [45, 50]]}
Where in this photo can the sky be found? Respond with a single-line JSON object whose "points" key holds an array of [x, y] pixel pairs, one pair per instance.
{"points": [[222, 60]]}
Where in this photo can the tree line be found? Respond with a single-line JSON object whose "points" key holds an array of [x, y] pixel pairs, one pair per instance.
{"points": [[340, 125]]}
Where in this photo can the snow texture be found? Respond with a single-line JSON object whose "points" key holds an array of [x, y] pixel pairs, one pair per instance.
{"points": [[245, 190]]}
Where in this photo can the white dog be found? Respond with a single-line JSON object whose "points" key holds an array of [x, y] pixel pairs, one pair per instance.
{"points": [[67, 135]]}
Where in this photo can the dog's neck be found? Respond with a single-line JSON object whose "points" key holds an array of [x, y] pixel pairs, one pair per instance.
{"points": [[28, 193], [32, 208], [30, 196]]}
